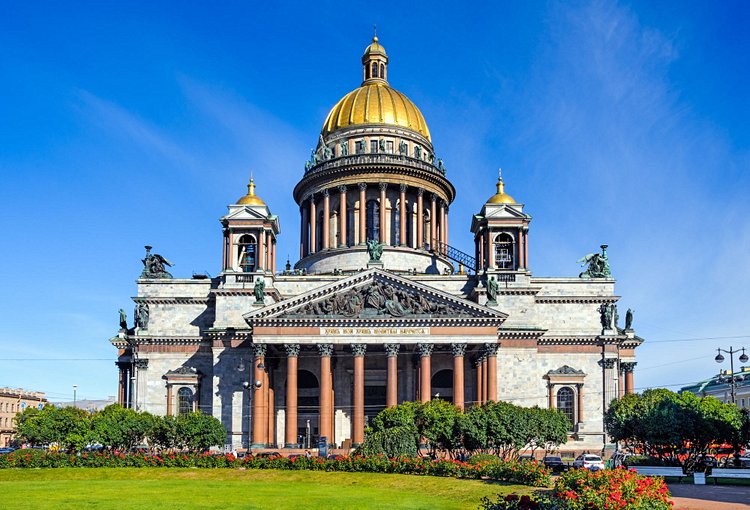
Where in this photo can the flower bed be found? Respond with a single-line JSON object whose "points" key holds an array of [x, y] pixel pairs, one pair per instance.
{"points": [[527, 473], [580, 489]]}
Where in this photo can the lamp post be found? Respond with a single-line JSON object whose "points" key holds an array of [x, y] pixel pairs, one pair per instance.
{"points": [[732, 379], [75, 387], [250, 387]]}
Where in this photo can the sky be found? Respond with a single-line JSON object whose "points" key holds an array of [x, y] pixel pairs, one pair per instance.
{"points": [[124, 124]]}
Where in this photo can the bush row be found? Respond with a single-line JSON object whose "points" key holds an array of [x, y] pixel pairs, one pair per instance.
{"points": [[527, 473], [581, 489]]}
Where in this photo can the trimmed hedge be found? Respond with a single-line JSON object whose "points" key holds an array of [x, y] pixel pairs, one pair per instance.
{"points": [[527, 473]]}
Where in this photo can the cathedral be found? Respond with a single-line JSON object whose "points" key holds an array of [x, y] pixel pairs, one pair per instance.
{"points": [[380, 308]]}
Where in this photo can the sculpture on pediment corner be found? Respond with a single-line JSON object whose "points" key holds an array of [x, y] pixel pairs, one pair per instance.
{"points": [[154, 265], [260, 291], [141, 315], [598, 265], [123, 320], [375, 250], [629, 319], [492, 288]]}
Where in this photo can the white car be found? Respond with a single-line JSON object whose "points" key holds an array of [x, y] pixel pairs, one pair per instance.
{"points": [[589, 461]]}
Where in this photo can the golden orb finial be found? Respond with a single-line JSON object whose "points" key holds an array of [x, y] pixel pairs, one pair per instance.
{"points": [[501, 197], [251, 198]]}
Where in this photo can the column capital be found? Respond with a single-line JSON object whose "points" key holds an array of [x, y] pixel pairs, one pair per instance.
{"points": [[490, 349], [392, 349], [425, 350], [433, 197], [607, 363], [260, 350], [362, 186], [420, 192], [383, 186], [359, 349], [458, 349], [325, 192], [292, 350], [342, 189], [479, 358], [325, 350], [628, 366], [141, 364], [402, 188]]}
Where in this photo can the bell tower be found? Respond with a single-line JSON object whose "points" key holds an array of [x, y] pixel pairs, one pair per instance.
{"points": [[501, 233]]}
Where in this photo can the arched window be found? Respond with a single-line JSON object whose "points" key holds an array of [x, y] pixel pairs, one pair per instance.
{"points": [[372, 213], [382, 71], [185, 400], [248, 255], [504, 251], [565, 403], [374, 69]]}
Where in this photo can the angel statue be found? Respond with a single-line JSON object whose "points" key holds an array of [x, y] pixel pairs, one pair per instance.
{"points": [[598, 265], [375, 249], [153, 265]]}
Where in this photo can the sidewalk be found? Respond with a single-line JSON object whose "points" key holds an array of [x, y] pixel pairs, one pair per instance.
{"points": [[711, 497]]}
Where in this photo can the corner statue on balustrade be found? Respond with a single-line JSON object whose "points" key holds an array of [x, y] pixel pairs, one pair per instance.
{"points": [[598, 265], [260, 291], [375, 249], [153, 265], [492, 291]]}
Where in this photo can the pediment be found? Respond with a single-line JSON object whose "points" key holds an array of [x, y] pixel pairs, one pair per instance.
{"points": [[376, 294], [504, 211], [246, 212]]}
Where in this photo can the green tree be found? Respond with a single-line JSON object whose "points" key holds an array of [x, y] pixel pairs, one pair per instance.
{"points": [[437, 422], [199, 432], [119, 428], [473, 429], [68, 427], [164, 432]]}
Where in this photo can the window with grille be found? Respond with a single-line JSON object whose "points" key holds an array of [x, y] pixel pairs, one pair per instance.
{"points": [[185, 400], [565, 403]]}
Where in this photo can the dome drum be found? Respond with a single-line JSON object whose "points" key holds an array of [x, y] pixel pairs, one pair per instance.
{"points": [[395, 258]]}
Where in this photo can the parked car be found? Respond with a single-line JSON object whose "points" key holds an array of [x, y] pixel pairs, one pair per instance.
{"points": [[555, 464], [588, 461], [526, 458], [618, 459], [7, 450]]}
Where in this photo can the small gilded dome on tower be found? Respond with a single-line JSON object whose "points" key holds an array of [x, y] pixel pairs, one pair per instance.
{"points": [[375, 47], [251, 198], [501, 197]]}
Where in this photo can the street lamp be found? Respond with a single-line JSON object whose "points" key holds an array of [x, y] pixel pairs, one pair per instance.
{"points": [[254, 386], [75, 387], [732, 378]]}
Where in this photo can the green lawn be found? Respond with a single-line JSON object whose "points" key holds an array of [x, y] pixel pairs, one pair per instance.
{"points": [[152, 488]]}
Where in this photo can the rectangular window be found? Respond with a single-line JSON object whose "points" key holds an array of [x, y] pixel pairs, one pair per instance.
{"points": [[389, 146], [373, 146], [360, 146]]}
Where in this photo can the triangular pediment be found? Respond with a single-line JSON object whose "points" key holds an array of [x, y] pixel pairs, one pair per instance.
{"points": [[243, 212], [504, 211], [376, 294]]}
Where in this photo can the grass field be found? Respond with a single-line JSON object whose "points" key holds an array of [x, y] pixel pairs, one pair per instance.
{"points": [[159, 488]]}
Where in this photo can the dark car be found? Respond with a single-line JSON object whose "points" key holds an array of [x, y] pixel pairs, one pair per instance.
{"points": [[555, 464], [526, 458]]}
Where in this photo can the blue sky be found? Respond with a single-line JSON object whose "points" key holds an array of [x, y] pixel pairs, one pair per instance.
{"points": [[125, 124]]}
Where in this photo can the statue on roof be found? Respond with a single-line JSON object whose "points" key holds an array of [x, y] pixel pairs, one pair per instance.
{"points": [[141, 315], [260, 290], [492, 288], [598, 265], [123, 320], [154, 265], [344, 148], [375, 249], [629, 319]]}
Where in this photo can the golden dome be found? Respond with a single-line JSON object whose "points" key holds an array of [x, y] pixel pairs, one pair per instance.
{"points": [[501, 197], [375, 103], [375, 47], [251, 198]]}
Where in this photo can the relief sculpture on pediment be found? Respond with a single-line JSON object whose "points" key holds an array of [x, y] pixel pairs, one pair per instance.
{"points": [[376, 299]]}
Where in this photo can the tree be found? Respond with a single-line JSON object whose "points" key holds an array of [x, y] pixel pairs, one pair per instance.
{"points": [[119, 428], [199, 432], [473, 429], [437, 422], [164, 432], [67, 427]]}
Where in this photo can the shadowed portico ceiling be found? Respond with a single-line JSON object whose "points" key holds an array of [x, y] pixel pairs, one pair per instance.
{"points": [[376, 297]]}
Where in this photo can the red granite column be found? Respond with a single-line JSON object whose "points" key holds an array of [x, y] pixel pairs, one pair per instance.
{"points": [[290, 422], [326, 389], [391, 393], [313, 227], [358, 398], [425, 385], [478, 365], [526, 248], [485, 373], [458, 350], [433, 222], [492, 372], [383, 187], [259, 414], [441, 232], [420, 219], [342, 217], [402, 216], [628, 368], [326, 220]]}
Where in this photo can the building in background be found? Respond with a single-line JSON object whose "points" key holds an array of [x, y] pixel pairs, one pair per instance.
{"points": [[720, 386], [380, 308], [12, 401]]}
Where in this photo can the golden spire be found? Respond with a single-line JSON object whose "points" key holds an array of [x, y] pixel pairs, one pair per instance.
{"points": [[500, 197], [251, 198]]}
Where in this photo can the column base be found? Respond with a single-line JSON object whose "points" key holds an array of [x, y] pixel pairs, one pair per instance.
{"points": [[293, 446], [258, 446], [356, 445]]}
